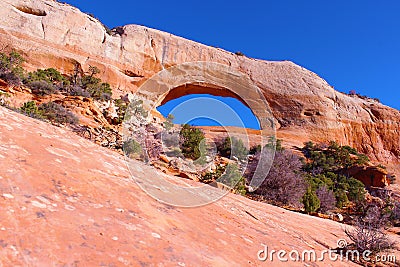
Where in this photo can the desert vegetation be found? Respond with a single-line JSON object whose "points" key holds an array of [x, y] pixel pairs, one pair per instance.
{"points": [[317, 181], [48, 88], [324, 166], [50, 111], [191, 138], [313, 179], [353, 93], [50, 81], [233, 147], [11, 67], [284, 185]]}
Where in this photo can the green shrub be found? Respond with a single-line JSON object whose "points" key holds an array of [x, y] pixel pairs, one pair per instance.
{"points": [[212, 176], [356, 190], [341, 198], [11, 67], [333, 158], [42, 88], [57, 113], [168, 123], [50, 75], [190, 144], [30, 109], [121, 106], [132, 148], [89, 85], [96, 88], [326, 165], [310, 201], [233, 147], [274, 143], [255, 149], [99, 91], [136, 108], [234, 179], [203, 148]]}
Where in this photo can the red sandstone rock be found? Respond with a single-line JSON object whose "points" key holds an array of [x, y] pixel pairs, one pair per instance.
{"points": [[306, 107], [370, 176], [67, 201]]}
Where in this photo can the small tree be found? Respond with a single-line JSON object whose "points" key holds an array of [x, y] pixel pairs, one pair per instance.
{"points": [[50, 75], [274, 143], [100, 91], [136, 108], [310, 201], [234, 179], [212, 176], [190, 141], [90, 84], [168, 123], [326, 165], [132, 148], [356, 190], [93, 70], [121, 106], [30, 109], [233, 146], [11, 67]]}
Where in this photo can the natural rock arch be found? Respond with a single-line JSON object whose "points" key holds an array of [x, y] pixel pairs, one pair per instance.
{"points": [[211, 78], [217, 79]]}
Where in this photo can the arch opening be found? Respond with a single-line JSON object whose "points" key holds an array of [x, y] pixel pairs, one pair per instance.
{"points": [[209, 106]]}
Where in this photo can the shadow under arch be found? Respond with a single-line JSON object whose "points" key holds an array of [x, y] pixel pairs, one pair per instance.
{"points": [[220, 80]]}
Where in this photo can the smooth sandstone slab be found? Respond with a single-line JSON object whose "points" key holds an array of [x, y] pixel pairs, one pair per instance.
{"points": [[67, 202]]}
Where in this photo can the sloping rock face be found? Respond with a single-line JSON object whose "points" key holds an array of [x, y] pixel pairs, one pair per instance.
{"points": [[306, 107], [67, 202]]}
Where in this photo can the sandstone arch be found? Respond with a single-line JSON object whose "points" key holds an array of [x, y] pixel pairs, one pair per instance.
{"points": [[217, 79], [210, 78]]}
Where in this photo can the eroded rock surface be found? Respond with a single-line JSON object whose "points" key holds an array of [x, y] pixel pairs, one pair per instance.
{"points": [[66, 201]]}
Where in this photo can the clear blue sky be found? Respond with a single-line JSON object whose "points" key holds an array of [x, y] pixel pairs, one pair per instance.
{"points": [[219, 111], [353, 44]]}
